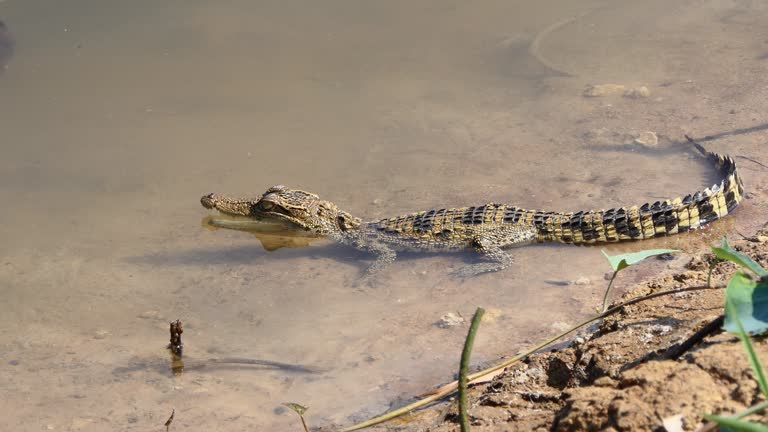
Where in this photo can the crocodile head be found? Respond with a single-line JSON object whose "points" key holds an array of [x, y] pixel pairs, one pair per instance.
{"points": [[295, 209]]}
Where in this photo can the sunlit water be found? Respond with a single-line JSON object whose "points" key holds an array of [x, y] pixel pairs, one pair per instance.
{"points": [[117, 116]]}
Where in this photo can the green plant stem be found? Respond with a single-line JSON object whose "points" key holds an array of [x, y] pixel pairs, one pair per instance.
{"points": [[712, 265], [429, 399], [752, 410], [608, 290], [747, 412], [464, 368], [754, 362]]}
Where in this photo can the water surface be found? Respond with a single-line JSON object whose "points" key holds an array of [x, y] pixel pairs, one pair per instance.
{"points": [[117, 116]]}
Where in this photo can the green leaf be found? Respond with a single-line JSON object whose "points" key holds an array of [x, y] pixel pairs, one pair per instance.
{"points": [[757, 368], [749, 302], [622, 261], [736, 425], [300, 410], [725, 252]]}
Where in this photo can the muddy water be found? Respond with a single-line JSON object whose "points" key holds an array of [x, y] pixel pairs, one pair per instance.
{"points": [[6, 46], [117, 116]]}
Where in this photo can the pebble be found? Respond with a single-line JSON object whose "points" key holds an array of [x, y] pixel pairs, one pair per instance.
{"points": [[600, 90], [604, 136], [150, 314], [450, 320], [761, 238], [637, 92], [492, 314], [101, 334], [647, 139], [582, 281]]}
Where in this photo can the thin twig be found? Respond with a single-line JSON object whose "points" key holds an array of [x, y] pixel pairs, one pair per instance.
{"points": [[535, 48], [170, 420], [608, 290], [450, 388], [675, 352], [752, 160], [464, 368]]}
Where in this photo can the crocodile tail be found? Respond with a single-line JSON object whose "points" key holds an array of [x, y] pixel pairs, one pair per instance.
{"points": [[649, 220]]}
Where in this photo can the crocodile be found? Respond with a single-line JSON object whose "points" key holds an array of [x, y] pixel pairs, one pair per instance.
{"points": [[489, 229]]}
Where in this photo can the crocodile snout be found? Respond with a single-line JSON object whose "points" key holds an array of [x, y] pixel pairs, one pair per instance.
{"points": [[208, 201]]}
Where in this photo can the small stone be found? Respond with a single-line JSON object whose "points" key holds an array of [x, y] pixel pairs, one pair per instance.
{"points": [[377, 201], [150, 314], [582, 281], [601, 90], [647, 139], [450, 320], [761, 238], [660, 329], [605, 381], [101, 334], [492, 314], [749, 195], [637, 92]]}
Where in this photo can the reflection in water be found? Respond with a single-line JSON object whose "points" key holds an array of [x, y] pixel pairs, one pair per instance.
{"points": [[6, 46], [178, 366], [272, 236]]}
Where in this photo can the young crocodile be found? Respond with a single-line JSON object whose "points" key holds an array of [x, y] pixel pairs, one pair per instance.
{"points": [[490, 228]]}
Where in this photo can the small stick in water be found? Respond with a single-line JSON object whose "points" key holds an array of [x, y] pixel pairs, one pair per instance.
{"points": [[170, 420], [176, 347]]}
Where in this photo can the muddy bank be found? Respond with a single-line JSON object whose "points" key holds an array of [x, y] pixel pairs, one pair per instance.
{"points": [[620, 376]]}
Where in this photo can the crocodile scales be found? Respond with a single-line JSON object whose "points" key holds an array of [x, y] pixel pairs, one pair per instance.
{"points": [[491, 228]]}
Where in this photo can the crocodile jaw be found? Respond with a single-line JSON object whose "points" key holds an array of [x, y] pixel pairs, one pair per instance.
{"points": [[244, 215], [297, 210]]}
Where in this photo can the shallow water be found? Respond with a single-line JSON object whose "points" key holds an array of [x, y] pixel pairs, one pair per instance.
{"points": [[118, 116]]}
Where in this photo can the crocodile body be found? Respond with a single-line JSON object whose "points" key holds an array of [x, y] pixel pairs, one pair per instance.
{"points": [[491, 228]]}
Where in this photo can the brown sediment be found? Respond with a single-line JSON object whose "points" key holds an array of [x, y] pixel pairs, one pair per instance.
{"points": [[621, 375]]}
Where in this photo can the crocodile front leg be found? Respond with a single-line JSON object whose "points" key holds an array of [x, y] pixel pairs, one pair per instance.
{"points": [[383, 254], [490, 244]]}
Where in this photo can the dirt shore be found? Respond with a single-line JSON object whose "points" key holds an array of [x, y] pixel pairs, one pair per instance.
{"points": [[619, 377]]}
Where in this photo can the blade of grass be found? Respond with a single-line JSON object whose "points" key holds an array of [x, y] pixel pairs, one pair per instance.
{"points": [[464, 368], [736, 424]]}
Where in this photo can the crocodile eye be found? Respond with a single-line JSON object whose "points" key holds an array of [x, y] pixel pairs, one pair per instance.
{"points": [[266, 205]]}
